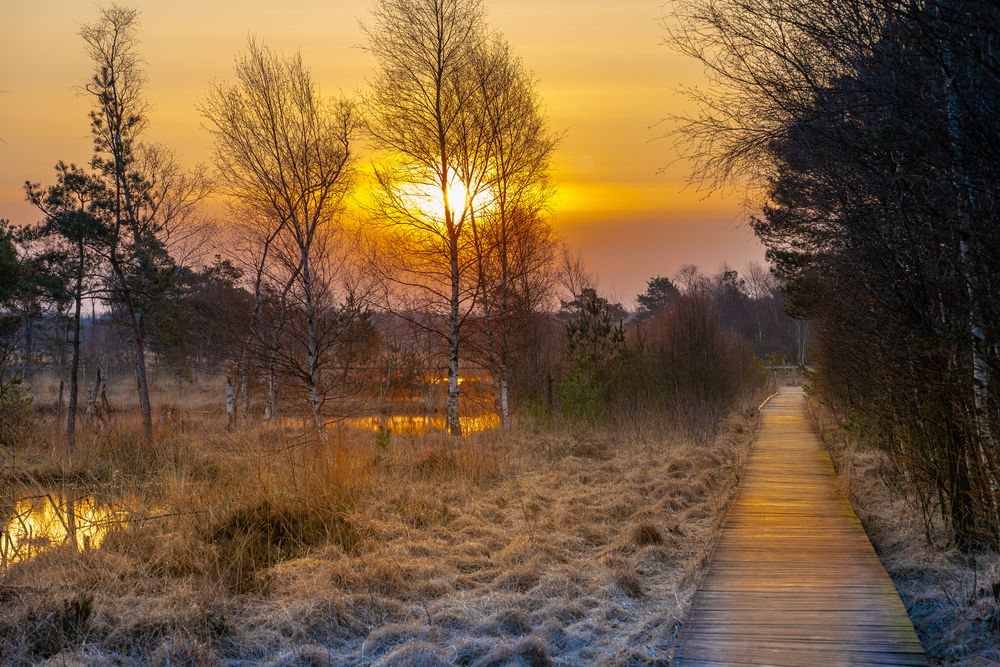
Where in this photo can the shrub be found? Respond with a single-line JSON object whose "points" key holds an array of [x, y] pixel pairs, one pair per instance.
{"points": [[16, 418], [595, 345], [583, 395]]}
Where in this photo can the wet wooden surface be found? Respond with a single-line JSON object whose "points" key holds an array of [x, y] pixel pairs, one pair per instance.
{"points": [[794, 579]]}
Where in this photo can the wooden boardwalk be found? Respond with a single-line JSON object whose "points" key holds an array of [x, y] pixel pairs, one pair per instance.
{"points": [[794, 579]]}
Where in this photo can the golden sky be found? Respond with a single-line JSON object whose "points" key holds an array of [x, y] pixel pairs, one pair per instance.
{"points": [[604, 73]]}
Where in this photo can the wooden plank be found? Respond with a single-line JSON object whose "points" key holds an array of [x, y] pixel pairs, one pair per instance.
{"points": [[794, 579]]}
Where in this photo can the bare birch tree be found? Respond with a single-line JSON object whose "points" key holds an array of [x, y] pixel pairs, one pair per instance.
{"points": [[256, 247], [285, 152], [515, 248], [423, 117]]}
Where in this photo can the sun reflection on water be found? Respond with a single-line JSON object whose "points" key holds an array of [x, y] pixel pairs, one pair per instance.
{"points": [[51, 520], [422, 424]]}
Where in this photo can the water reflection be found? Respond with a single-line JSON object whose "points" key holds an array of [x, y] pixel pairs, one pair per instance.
{"points": [[400, 424], [422, 424], [50, 520]]}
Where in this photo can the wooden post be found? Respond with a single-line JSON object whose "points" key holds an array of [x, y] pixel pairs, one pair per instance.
{"points": [[97, 402]]}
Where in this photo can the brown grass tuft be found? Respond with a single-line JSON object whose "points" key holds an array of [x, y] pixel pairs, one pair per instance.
{"points": [[586, 446], [252, 538], [529, 652], [629, 584], [646, 534], [508, 622], [49, 627], [413, 654]]}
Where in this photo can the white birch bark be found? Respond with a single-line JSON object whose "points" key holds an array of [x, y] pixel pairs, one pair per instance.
{"points": [[230, 405]]}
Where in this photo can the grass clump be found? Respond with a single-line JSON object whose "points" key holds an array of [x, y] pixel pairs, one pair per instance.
{"points": [[646, 534], [49, 628], [17, 422], [629, 584], [529, 652], [249, 539]]}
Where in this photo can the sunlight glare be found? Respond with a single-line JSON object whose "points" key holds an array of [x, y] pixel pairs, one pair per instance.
{"points": [[427, 199]]}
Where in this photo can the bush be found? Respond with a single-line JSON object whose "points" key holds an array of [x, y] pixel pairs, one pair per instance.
{"points": [[583, 395], [703, 368], [691, 369], [16, 419], [595, 345]]}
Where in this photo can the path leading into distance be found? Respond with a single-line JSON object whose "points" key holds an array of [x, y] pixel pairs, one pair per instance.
{"points": [[794, 579]]}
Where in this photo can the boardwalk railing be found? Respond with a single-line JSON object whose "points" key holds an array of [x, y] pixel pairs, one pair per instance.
{"points": [[788, 374]]}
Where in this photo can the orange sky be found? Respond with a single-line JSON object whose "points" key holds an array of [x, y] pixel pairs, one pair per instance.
{"points": [[605, 76]]}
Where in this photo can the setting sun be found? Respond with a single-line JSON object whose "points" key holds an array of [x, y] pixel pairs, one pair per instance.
{"points": [[428, 200]]}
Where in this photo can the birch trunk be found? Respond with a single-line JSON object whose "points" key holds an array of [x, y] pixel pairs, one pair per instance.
{"points": [[230, 405], [488, 322], [312, 343], [504, 401], [255, 330], [977, 338], [245, 386], [454, 424], [271, 409], [74, 371]]}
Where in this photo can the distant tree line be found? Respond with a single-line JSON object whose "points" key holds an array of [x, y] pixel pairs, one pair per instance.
{"points": [[874, 126]]}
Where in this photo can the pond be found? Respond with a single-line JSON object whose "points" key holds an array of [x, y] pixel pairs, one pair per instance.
{"points": [[48, 520], [402, 424], [421, 424]]}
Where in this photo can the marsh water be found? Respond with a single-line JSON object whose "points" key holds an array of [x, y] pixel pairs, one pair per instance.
{"points": [[44, 520], [421, 424], [402, 424]]}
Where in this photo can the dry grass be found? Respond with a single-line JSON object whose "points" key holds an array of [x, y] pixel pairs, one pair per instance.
{"points": [[953, 600], [528, 547], [173, 393]]}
